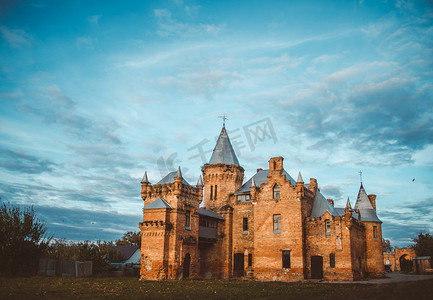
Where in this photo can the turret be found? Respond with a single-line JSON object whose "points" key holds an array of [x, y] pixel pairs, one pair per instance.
{"points": [[299, 183], [223, 175], [253, 190], [144, 186], [348, 214], [200, 186], [178, 183]]}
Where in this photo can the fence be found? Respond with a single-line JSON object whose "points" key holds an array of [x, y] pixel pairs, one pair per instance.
{"points": [[64, 268]]}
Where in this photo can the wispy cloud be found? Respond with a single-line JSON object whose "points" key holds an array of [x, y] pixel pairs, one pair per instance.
{"points": [[16, 38], [94, 20], [24, 163], [170, 26]]}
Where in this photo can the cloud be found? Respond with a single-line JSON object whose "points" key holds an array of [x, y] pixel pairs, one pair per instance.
{"points": [[333, 192], [15, 38], [94, 20], [85, 42], [24, 163], [169, 26], [200, 83], [54, 107]]}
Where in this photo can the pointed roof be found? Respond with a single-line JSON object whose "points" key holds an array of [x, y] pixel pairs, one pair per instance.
{"points": [[348, 206], [300, 177], [169, 178], [321, 205], [223, 152], [145, 180], [158, 203], [368, 213], [200, 181], [179, 173], [253, 183], [259, 178]]}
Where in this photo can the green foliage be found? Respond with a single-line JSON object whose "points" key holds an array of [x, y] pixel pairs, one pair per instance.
{"points": [[100, 253], [386, 245], [22, 240], [130, 238], [424, 244]]}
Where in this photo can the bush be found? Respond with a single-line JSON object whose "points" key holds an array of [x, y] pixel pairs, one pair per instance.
{"points": [[22, 240]]}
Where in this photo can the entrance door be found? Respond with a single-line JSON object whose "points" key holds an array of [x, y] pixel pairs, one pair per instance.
{"points": [[316, 267], [186, 265], [238, 268]]}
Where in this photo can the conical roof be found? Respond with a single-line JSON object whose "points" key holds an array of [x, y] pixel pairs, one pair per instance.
{"points": [[223, 152], [368, 213]]}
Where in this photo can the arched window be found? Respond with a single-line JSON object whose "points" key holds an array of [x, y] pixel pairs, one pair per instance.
{"points": [[276, 192], [211, 192]]}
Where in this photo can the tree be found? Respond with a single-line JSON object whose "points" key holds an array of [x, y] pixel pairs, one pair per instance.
{"points": [[386, 245], [23, 239], [130, 238], [423, 245]]}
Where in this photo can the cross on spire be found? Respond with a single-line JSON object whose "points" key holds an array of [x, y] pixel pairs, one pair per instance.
{"points": [[360, 175], [224, 119]]}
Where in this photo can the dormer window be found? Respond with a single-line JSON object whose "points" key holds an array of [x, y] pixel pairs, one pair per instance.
{"points": [[276, 192], [244, 198]]}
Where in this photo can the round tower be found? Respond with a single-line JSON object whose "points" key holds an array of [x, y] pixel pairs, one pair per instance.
{"points": [[223, 175]]}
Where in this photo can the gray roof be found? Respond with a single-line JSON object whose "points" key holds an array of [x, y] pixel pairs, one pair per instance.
{"points": [[223, 152], [259, 178], [321, 204], [209, 213], [157, 204], [368, 213], [169, 178], [126, 250]]}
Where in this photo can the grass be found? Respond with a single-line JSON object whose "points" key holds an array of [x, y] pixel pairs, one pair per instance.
{"points": [[132, 288]]}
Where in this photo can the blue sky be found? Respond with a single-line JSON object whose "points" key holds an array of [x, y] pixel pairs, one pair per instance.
{"points": [[94, 93]]}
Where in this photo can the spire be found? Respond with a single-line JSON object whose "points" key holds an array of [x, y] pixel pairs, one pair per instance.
{"points": [[200, 181], [363, 204], [300, 177], [253, 183], [145, 180], [179, 173], [223, 152], [348, 206]]}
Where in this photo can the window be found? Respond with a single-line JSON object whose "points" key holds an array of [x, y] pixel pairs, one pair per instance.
{"points": [[286, 259], [277, 223], [244, 198], [245, 226], [211, 191], [250, 260], [375, 232], [332, 260], [327, 227], [216, 188], [188, 219], [276, 192]]}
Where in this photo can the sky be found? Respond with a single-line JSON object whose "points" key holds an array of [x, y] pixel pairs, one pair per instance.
{"points": [[95, 93]]}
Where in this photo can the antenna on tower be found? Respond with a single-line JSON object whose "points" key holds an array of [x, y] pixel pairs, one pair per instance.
{"points": [[224, 117]]}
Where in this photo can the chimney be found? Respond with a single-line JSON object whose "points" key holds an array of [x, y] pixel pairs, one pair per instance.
{"points": [[331, 201]]}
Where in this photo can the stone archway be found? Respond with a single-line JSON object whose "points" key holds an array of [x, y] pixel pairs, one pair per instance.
{"points": [[405, 263]]}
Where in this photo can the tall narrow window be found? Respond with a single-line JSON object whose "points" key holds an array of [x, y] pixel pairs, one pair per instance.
{"points": [[375, 232], [250, 260], [327, 227], [211, 191], [286, 259], [245, 226], [216, 190], [332, 260], [276, 192], [187, 219], [277, 223]]}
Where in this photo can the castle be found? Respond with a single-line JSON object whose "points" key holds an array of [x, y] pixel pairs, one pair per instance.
{"points": [[270, 228]]}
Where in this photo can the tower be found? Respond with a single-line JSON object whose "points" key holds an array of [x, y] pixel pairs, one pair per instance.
{"points": [[223, 175], [366, 206]]}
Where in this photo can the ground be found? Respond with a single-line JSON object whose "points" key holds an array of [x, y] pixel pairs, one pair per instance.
{"points": [[395, 287]]}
